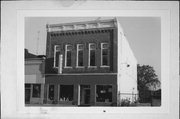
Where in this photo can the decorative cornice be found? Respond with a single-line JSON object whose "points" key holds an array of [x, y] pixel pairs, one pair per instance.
{"points": [[81, 25], [80, 32]]}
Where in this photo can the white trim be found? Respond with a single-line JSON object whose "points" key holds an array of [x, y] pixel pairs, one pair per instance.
{"points": [[65, 64], [89, 56], [102, 55], [47, 92], [104, 66], [77, 59], [79, 95]]}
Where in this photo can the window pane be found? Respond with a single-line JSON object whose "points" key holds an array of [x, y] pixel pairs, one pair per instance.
{"points": [[105, 60], [36, 90], [104, 57], [66, 92], [80, 58], [57, 59], [104, 93], [51, 92], [68, 63], [105, 52], [92, 58]]}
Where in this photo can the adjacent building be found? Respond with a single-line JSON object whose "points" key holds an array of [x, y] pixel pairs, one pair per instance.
{"points": [[88, 63], [34, 78]]}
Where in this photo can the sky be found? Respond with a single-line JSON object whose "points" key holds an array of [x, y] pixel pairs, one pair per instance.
{"points": [[142, 33]]}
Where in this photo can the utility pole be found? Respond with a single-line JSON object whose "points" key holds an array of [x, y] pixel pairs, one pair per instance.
{"points": [[37, 47]]}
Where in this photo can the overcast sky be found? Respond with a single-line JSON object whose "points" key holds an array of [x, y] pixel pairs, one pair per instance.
{"points": [[142, 33]]}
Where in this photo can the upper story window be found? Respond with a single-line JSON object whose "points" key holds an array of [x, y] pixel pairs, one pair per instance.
{"points": [[80, 54], [56, 55], [68, 56], [92, 54], [104, 54]]}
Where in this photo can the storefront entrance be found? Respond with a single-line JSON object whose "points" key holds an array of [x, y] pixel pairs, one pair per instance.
{"points": [[51, 93], [85, 95]]}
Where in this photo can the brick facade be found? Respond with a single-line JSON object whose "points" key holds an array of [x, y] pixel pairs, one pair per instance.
{"points": [[82, 76], [97, 36]]}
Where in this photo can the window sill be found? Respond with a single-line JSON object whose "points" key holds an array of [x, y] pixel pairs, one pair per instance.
{"points": [[80, 67], [68, 67], [92, 66], [105, 66]]}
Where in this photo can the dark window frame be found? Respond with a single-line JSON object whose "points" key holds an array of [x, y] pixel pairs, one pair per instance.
{"points": [[36, 91]]}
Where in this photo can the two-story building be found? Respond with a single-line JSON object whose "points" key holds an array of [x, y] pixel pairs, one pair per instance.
{"points": [[34, 78], [88, 63]]}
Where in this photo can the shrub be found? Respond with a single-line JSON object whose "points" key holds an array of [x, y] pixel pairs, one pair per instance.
{"points": [[125, 102]]}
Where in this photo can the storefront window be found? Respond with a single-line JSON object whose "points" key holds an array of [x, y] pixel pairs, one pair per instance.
{"points": [[51, 92], [103, 93], [66, 92], [36, 90]]}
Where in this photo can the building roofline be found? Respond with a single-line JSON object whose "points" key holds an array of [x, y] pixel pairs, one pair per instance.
{"points": [[80, 23], [105, 23]]}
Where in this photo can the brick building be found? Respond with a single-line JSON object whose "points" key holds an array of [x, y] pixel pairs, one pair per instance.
{"points": [[88, 63]]}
